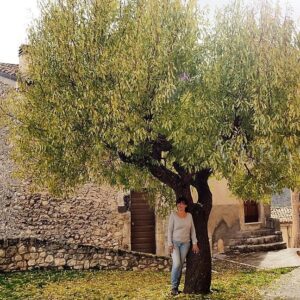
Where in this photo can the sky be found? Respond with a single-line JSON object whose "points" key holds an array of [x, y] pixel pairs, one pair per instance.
{"points": [[17, 15]]}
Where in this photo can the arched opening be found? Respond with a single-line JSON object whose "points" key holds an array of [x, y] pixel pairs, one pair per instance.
{"points": [[219, 237]]}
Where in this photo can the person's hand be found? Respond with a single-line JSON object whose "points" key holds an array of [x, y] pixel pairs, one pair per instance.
{"points": [[171, 249], [195, 248]]}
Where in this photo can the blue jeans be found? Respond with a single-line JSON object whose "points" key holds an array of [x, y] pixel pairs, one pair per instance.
{"points": [[179, 254]]}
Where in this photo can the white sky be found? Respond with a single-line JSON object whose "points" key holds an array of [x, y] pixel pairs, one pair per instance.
{"points": [[17, 15]]}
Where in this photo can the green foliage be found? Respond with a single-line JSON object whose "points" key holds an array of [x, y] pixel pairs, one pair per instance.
{"points": [[228, 283], [7, 104], [113, 76], [100, 69], [255, 71]]}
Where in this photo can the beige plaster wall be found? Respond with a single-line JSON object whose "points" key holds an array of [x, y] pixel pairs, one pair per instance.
{"points": [[161, 225], [223, 223], [221, 193], [224, 218], [286, 229], [295, 201]]}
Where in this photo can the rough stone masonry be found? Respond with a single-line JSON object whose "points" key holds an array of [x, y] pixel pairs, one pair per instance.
{"points": [[31, 253]]}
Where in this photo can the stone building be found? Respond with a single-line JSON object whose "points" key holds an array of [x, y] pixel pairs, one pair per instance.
{"points": [[107, 217], [281, 210], [285, 207]]}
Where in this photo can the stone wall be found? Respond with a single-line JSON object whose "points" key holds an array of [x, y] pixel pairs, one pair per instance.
{"points": [[91, 217], [7, 183], [30, 253]]}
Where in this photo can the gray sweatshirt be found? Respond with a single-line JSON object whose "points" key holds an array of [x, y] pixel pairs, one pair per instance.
{"points": [[181, 229]]}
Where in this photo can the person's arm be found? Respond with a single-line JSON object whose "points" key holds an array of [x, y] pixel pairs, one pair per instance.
{"points": [[195, 247], [170, 232]]}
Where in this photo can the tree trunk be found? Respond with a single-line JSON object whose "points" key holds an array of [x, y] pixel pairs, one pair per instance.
{"points": [[198, 271], [198, 267]]}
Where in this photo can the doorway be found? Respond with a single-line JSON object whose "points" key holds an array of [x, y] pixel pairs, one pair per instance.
{"points": [[251, 211], [142, 224]]}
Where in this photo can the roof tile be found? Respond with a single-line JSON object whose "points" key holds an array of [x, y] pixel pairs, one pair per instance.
{"points": [[9, 70], [284, 214]]}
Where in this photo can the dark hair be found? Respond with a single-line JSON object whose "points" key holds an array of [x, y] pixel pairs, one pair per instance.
{"points": [[181, 199]]}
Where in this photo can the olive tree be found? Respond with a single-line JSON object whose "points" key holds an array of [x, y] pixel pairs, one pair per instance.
{"points": [[150, 94]]}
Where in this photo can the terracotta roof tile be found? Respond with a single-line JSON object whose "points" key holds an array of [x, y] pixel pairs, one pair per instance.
{"points": [[284, 214], [9, 70]]}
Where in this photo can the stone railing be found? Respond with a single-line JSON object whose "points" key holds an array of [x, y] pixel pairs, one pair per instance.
{"points": [[22, 254], [273, 224]]}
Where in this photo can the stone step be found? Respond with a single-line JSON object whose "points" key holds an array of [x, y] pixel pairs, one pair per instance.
{"points": [[256, 233], [255, 248], [258, 240]]}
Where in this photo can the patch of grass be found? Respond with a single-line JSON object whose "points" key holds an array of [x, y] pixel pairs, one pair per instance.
{"points": [[230, 282], [23, 285]]}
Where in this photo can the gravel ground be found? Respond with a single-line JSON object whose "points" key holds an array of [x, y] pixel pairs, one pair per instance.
{"points": [[287, 287]]}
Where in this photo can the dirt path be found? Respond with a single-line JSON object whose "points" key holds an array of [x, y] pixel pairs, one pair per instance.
{"points": [[286, 287]]}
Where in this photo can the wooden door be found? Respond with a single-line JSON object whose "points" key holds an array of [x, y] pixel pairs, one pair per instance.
{"points": [[142, 224], [251, 211]]}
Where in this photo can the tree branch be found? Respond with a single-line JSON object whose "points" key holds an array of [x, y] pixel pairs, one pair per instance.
{"points": [[154, 166], [165, 175]]}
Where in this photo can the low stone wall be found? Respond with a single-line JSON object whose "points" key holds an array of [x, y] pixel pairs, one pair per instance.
{"points": [[30, 253]]}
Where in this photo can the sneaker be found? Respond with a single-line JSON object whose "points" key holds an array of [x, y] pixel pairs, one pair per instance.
{"points": [[174, 292]]}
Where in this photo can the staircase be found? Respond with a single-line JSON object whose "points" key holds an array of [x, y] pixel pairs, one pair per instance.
{"points": [[264, 239]]}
